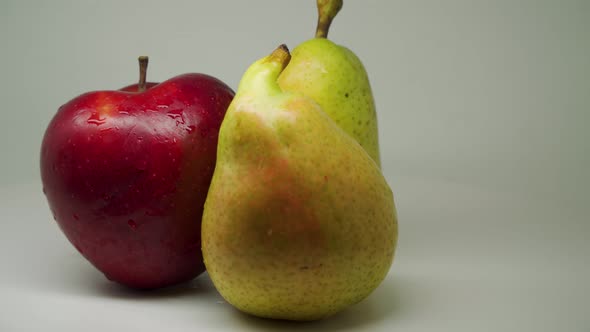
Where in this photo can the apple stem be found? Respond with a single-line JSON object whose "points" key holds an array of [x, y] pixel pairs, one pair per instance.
{"points": [[327, 10], [143, 64]]}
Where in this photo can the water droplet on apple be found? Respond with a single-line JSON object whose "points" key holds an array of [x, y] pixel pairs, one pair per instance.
{"points": [[141, 165], [190, 129], [132, 224], [162, 106], [124, 112], [76, 217], [176, 115], [174, 140], [96, 119]]}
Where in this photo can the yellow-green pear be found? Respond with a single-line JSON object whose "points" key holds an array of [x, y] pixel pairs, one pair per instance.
{"points": [[299, 222], [336, 79]]}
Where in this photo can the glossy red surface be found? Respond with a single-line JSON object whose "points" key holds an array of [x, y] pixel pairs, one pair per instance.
{"points": [[126, 176]]}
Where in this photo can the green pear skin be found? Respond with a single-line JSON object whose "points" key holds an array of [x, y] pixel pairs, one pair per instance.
{"points": [[299, 222], [336, 79]]}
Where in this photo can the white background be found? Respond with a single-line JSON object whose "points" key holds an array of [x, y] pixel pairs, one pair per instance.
{"points": [[483, 111]]}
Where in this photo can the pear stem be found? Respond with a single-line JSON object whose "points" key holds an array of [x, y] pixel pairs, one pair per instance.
{"points": [[143, 64], [327, 10], [281, 56]]}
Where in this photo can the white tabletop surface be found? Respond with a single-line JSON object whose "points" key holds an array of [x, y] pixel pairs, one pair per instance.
{"points": [[469, 259]]}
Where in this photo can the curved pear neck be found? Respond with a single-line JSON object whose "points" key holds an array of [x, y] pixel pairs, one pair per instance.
{"points": [[261, 77]]}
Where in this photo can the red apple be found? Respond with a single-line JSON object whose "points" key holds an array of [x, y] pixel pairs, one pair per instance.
{"points": [[126, 174]]}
